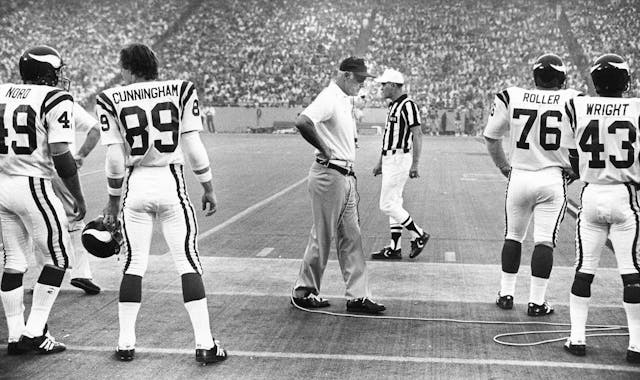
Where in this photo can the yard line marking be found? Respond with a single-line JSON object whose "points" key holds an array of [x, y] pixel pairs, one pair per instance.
{"points": [[265, 252], [249, 210], [450, 257], [82, 174], [378, 358]]}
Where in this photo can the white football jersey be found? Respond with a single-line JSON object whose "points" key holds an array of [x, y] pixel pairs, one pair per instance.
{"points": [[605, 133], [149, 118], [533, 119], [31, 118]]}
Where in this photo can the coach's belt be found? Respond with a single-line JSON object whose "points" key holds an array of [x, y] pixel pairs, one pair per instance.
{"points": [[339, 169], [394, 151]]}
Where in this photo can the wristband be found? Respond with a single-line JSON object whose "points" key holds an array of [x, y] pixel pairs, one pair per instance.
{"points": [[204, 177], [114, 191]]}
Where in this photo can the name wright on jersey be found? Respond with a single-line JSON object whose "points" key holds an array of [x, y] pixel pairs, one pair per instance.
{"points": [[607, 109]]}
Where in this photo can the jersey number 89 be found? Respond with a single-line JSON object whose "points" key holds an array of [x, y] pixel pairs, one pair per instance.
{"points": [[143, 122]]}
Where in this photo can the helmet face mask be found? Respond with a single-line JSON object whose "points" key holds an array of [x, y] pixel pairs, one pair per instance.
{"points": [[549, 71], [42, 65], [610, 75]]}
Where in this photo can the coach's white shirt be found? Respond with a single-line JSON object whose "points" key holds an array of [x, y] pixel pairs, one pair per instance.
{"points": [[332, 113]]}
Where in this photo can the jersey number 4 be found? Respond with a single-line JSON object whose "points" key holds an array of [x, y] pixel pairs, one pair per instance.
{"points": [[590, 142], [545, 131], [141, 130]]}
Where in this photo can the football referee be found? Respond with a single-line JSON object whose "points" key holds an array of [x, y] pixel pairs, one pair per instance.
{"points": [[398, 161]]}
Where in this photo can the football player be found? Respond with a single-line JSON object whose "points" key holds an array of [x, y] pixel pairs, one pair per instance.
{"points": [[146, 125], [81, 276], [36, 128], [602, 135], [537, 184]]}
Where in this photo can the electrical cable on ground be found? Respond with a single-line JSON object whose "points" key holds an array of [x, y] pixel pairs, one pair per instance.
{"points": [[596, 330]]}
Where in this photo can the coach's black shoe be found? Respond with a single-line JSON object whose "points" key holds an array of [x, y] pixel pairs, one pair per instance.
{"points": [[365, 305], [87, 285], [44, 344], [418, 244], [311, 301], [214, 354], [125, 354], [387, 253], [578, 349], [633, 357], [534, 310], [505, 302]]}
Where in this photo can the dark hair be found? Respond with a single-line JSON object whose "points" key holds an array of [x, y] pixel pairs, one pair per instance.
{"points": [[140, 60]]}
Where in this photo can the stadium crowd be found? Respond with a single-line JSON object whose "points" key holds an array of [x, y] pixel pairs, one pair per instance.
{"points": [[457, 54]]}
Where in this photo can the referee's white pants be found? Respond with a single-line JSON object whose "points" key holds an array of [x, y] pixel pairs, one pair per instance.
{"points": [[334, 204], [31, 212], [608, 211], [395, 172], [159, 193]]}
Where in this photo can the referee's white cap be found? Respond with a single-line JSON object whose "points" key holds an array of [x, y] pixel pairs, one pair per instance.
{"points": [[391, 76]]}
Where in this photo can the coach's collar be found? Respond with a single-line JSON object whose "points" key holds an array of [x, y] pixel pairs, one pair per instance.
{"points": [[399, 100]]}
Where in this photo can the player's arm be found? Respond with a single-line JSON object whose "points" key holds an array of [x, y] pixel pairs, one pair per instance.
{"points": [[199, 161], [497, 126], [494, 146], [66, 168], [308, 131], [412, 114], [114, 167], [90, 142]]}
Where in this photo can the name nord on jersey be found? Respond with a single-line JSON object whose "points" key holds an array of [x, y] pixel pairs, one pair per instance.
{"points": [[18, 93], [541, 98], [607, 109]]}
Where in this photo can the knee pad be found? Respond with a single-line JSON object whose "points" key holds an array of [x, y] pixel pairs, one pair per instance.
{"points": [[542, 261], [631, 287], [511, 253], [11, 281], [192, 287], [130, 288], [51, 275], [582, 284]]}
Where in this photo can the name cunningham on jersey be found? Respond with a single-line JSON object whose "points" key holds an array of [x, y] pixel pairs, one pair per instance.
{"points": [[126, 95]]}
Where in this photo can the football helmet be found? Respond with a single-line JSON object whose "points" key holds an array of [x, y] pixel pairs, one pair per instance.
{"points": [[549, 71], [610, 74], [99, 241], [43, 65]]}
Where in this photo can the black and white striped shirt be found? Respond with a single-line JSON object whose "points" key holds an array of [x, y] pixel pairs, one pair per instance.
{"points": [[402, 116]]}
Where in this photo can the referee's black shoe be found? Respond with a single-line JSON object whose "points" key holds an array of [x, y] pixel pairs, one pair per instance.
{"points": [[418, 244], [578, 349], [125, 354], [633, 357]]}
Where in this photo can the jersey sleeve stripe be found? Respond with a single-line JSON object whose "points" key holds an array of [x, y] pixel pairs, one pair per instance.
{"points": [[571, 111], [103, 101], [506, 96], [186, 95], [57, 100], [502, 99]]}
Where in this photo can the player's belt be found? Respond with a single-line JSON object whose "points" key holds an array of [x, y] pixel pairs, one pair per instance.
{"points": [[389, 152], [339, 169]]}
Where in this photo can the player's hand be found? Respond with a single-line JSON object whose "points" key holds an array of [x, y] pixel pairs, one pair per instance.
{"points": [[110, 213], [79, 161], [505, 170], [570, 175], [377, 170], [413, 172], [209, 199], [80, 209]]}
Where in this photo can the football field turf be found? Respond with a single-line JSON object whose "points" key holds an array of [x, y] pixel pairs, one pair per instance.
{"points": [[441, 318]]}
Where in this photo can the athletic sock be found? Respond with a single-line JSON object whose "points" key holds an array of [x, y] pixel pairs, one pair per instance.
{"points": [[538, 290], [633, 323], [578, 311], [127, 315], [199, 314], [43, 298], [396, 236], [12, 302], [508, 284], [415, 230]]}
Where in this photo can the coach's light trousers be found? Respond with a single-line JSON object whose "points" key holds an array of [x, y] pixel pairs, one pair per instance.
{"points": [[334, 202]]}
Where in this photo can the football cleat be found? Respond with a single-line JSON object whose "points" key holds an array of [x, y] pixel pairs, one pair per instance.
{"points": [[549, 71], [99, 241], [633, 356], [418, 244], [42, 65], [87, 285], [44, 344], [214, 354], [578, 349], [610, 74], [387, 253], [534, 310], [505, 302], [311, 301], [125, 354]]}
